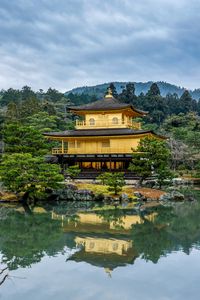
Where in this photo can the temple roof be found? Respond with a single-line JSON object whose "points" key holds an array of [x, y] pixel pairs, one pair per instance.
{"points": [[107, 103], [110, 261], [100, 132]]}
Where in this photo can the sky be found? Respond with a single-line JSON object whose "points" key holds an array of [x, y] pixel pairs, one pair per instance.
{"points": [[69, 43]]}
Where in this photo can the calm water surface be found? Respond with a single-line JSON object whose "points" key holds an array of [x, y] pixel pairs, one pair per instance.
{"points": [[83, 251]]}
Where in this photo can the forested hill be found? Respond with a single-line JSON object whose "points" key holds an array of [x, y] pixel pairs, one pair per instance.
{"points": [[26, 114], [165, 88]]}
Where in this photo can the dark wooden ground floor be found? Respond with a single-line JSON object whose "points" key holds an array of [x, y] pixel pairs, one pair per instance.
{"points": [[93, 165]]}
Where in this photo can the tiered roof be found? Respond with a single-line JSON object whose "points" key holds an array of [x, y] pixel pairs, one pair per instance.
{"points": [[100, 132], [107, 103]]}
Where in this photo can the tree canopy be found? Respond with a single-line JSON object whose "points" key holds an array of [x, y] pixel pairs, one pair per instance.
{"points": [[23, 173], [24, 139], [151, 158], [114, 181]]}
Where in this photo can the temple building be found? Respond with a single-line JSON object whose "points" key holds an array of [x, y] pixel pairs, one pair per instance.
{"points": [[104, 138]]}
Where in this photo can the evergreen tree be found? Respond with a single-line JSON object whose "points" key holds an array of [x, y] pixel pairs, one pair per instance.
{"points": [[49, 108], [11, 95], [198, 106], [152, 157], [154, 90], [155, 104], [128, 94], [187, 103], [27, 93], [43, 122], [173, 104], [78, 99], [141, 101], [29, 107], [24, 139], [12, 113], [114, 181], [113, 89], [40, 94], [53, 95], [22, 173], [2, 122], [73, 171]]}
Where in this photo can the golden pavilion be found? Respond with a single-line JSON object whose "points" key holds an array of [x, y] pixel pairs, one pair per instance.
{"points": [[104, 138]]}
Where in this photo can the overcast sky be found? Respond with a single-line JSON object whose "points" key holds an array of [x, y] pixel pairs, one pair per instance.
{"points": [[70, 43]]}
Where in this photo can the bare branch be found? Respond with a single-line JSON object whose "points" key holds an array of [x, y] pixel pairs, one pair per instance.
{"points": [[4, 278], [2, 270]]}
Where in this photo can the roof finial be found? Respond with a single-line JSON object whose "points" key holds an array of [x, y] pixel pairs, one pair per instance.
{"points": [[108, 271], [109, 93]]}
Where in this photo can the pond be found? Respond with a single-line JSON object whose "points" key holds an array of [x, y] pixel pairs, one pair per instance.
{"points": [[88, 251]]}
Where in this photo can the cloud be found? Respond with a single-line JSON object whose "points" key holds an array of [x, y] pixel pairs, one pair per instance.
{"points": [[68, 43]]}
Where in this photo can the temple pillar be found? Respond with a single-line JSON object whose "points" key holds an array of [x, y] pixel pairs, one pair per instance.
{"points": [[62, 147]]}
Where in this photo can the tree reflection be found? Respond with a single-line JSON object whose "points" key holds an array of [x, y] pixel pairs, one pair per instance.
{"points": [[114, 216], [150, 240], [185, 228], [173, 229], [3, 275], [25, 239]]}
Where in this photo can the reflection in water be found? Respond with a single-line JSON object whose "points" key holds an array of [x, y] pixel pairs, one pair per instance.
{"points": [[3, 275], [69, 251], [106, 238], [104, 246], [25, 239]]}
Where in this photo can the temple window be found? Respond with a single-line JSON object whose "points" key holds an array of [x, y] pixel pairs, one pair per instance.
{"points": [[115, 121], [92, 121], [106, 143], [115, 246], [71, 144], [91, 245]]}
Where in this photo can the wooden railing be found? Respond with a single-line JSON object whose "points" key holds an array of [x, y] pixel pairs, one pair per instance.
{"points": [[104, 150], [107, 124], [59, 151]]}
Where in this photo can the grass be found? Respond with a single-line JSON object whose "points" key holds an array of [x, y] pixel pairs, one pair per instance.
{"points": [[103, 189], [95, 188]]}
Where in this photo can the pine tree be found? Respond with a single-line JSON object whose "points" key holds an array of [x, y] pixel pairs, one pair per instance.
{"points": [[24, 139], [152, 157], [128, 94], [155, 104], [12, 113], [11, 95], [23, 173], [27, 93], [53, 95], [29, 107], [154, 90], [114, 181], [187, 103]]}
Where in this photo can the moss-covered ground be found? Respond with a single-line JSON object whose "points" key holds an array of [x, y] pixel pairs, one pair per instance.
{"points": [[129, 190]]}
